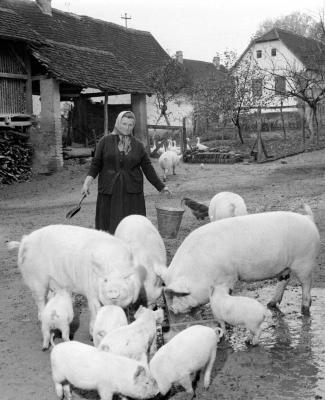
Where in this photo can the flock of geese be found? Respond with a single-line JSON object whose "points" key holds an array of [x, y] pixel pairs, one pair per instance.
{"points": [[172, 145]]}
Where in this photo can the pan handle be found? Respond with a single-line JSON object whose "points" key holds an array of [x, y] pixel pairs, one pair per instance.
{"points": [[82, 198]]}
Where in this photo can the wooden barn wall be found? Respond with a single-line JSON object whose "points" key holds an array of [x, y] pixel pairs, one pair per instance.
{"points": [[12, 91]]}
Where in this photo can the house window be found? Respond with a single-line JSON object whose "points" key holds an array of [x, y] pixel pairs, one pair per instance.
{"points": [[279, 85], [273, 52], [258, 53], [257, 87]]}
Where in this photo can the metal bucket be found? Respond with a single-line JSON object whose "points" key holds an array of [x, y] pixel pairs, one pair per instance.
{"points": [[169, 220]]}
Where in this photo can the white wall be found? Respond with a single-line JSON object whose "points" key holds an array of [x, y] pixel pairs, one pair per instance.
{"points": [[283, 61]]}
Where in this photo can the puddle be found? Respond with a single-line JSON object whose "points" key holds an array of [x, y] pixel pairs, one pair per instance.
{"points": [[289, 362]]}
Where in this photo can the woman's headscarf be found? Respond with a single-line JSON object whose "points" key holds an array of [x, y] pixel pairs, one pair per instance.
{"points": [[124, 143]]}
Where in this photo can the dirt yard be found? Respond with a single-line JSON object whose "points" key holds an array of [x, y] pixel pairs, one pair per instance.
{"points": [[290, 361]]}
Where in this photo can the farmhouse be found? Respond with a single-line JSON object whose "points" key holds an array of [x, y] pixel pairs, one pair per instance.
{"points": [[56, 56], [292, 71]]}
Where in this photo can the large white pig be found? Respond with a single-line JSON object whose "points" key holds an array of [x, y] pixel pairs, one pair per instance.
{"points": [[148, 250], [248, 248], [93, 263]]}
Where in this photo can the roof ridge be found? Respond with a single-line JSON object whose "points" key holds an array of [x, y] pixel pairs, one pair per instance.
{"points": [[295, 34], [73, 46], [190, 59]]}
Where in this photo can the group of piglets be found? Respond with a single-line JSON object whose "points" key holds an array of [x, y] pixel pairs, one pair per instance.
{"points": [[114, 271], [122, 360]]}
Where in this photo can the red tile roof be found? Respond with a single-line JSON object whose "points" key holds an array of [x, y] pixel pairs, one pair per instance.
{"points": [[85, 51]]}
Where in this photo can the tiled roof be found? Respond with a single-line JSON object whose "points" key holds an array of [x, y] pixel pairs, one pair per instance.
{"points": [[13, 26], [90, 52], [309, 51], [202, 70]]}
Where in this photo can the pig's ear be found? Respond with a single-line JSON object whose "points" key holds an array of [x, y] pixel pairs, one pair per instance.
{"points": [[97, 268], [139, 373], [178, 287], [161, 270], [159, 315], [142, 273]]}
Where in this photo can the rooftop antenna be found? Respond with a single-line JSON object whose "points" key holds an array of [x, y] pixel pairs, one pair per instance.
{"points": [[126, 19], [67, 5]]}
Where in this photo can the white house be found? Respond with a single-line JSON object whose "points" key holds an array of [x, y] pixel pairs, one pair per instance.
{"points": [[281, 56]]}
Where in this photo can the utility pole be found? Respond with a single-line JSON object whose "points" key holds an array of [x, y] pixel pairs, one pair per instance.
{"points": [[126, 19]]}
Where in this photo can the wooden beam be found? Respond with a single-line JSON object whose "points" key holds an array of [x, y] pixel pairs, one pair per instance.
{"points": [[99, 94], [29, 89], [169, 127], [13, 76], [105, 114], [39, 77]]}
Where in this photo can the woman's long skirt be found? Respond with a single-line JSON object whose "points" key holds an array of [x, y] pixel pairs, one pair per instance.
{"points": [[112, 208]]}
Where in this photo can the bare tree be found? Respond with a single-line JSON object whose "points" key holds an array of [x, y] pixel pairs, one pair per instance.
{"points": [[167, 82], [296, 22], [303, 82], [234, 97]]}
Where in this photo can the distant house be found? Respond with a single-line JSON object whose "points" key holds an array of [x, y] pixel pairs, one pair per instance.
{"points": [[282, 56], [59, 56], [184, 106]]}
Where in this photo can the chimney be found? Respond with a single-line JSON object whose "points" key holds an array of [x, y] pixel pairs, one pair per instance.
{"points": [[45, 6], [179, 56], [216, 61]]}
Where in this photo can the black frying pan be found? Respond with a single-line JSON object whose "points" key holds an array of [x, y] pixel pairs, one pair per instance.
{"points": [[75, 209]]}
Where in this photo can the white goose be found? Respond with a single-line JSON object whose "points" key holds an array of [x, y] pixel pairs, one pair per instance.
{"points": [[200, 146]]}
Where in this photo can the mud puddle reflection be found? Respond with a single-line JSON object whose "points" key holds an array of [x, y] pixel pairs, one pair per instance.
{"points": [[289, 362]]}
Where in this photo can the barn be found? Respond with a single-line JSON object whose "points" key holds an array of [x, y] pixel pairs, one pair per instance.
{"points": [[57, 57]]}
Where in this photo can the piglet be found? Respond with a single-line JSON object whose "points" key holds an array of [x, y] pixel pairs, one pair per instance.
{"points": [[108, 318], [238, 310], [57, 314], [88, 368], [137, 339], [190, 351]]}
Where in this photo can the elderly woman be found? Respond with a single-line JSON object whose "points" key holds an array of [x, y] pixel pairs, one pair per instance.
{"points": [[120, 161]]}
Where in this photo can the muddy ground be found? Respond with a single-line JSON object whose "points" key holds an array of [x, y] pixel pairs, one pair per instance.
{"points": [[289, 363]]}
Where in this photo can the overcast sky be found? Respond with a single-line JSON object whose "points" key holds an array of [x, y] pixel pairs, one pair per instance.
{"points": [[199, 28]]}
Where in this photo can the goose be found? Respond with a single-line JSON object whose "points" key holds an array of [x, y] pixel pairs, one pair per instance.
{"points": [[188, 145], [200, 146]]}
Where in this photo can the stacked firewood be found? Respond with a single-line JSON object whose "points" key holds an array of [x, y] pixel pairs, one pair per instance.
{"points": [[15, 157]]}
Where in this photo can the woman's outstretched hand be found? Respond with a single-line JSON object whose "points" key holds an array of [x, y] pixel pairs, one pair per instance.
{"points": [[166, 191]]}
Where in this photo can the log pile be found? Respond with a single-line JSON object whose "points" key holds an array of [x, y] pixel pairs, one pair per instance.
{"points": [[15, 157]]}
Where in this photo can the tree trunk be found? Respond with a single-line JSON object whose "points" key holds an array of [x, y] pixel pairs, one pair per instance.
{"points": [[238, 126], [317, 127], [282, 120]]}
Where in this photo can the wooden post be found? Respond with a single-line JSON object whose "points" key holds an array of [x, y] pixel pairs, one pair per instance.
{"points": [[303, 124], [259, 135], [29, 92], [139, 108], [183, 142], [105, 114]]}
